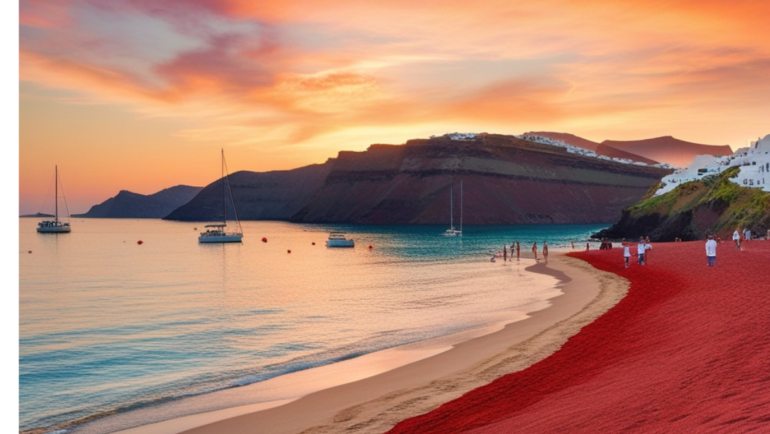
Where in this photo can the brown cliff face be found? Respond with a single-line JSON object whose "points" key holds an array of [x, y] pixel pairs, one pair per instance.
{"points": [[506, 181], [668, 149]]}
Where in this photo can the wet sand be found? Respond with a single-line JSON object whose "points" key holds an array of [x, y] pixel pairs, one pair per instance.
{"points": [[442, 373]]}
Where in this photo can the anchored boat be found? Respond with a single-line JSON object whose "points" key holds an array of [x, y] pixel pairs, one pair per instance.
{"points": [[217, 233], [337, 239], [55, 226]]}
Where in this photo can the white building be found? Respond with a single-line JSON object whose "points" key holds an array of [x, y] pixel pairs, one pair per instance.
{"points": [[753, 161]]}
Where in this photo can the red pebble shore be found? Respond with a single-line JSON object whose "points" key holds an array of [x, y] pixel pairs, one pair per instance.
{"points": [[687, 350]]}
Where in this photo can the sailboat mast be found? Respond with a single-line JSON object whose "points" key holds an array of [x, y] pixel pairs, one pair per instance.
{"points": [[451, 208], [224, 191], [56, 193]]}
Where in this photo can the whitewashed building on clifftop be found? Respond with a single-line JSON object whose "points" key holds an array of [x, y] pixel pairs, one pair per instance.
{"points": [[754, 162]]}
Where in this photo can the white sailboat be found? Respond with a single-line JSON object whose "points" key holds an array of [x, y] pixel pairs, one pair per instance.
{"points": [[217, 233], [452, 232], [55, 226]]}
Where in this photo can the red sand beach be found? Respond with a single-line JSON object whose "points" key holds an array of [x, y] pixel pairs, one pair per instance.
{"points": [[687, 350]]}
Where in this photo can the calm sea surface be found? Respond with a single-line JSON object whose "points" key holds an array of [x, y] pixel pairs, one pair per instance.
{"points": [[107, 324]]}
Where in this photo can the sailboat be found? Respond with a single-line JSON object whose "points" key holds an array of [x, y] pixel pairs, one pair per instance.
{"points": [[452, 232], [55, 226], [217, 233]]}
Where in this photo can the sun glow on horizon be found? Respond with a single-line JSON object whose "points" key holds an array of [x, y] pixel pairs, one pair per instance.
{"points": [[140, 96]]}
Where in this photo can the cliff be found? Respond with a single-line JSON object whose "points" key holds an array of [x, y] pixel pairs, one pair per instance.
{"points": [[506, 181], [668, 149], [133, 205], [275, 195], [692, 210]]}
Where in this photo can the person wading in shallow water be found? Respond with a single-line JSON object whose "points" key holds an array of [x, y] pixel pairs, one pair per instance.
{"points": [[545, 251], [534, 251], [518, 250]]}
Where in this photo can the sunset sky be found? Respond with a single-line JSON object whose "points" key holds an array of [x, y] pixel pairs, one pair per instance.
{"points": [[140, 95]]}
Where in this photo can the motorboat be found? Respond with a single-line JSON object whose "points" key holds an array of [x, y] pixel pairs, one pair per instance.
{"points": [[337, 239], [217, 233], [55, 226]]}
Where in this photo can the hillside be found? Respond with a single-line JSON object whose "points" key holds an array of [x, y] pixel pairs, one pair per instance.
{"points": [[506, 181], [713, 204], [568, 138], [668, 149], [127, 204], [275, 195], [609, 151]]}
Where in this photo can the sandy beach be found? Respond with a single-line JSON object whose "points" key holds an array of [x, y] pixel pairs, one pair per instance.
{"points": [[685, 351], [377, 403]]}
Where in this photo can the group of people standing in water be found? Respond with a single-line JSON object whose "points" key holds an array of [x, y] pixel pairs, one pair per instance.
{"points": [[517, 246]]}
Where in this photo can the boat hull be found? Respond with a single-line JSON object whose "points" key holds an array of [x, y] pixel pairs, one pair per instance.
{"points": [[54, 230], [340, 243], [220, 239]]}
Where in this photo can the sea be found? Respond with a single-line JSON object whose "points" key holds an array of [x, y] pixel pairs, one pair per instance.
{"points": [[126, 314]]}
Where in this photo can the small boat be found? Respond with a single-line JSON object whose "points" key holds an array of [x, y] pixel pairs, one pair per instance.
{"points": [[452, 232], [337, 239], [217, 233], [55, 226]]}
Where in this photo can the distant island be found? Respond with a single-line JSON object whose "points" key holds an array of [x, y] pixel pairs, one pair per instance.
{"points": [[507, 180], [127, 204]]}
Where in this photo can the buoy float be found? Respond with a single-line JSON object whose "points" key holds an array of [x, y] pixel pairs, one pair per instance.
{"points": [[264, 240], [288, 251], [370, 247], [140, 242]]}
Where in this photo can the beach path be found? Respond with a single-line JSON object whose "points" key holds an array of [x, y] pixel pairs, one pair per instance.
{"points": [[687, 350]]}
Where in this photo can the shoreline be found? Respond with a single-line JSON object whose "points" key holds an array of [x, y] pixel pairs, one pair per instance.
{"points": [[433, 373]]}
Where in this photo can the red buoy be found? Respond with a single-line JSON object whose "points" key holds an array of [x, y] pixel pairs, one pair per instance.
{"points": [[370, 247], [288, 251], [264, 240], [140, 242]]}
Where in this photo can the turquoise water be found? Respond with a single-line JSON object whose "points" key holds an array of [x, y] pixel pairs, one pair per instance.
{"points": [[109, 325]]}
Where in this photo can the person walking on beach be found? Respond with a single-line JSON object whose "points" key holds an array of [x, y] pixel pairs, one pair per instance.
{"points": [[711, 251], [573, 243], [626, 254], [647, 248], [534, 251], [513, 244], [747, 234], [588, 247], [505, 254], [518, 251], [545, 251], [737, 238], [640, 251]]}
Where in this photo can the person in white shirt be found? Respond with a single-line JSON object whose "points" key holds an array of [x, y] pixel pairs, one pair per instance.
{"points": [[647, 248], [626, 254], [640, 251], [737, 238], [711, 251], [747, 234]]}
